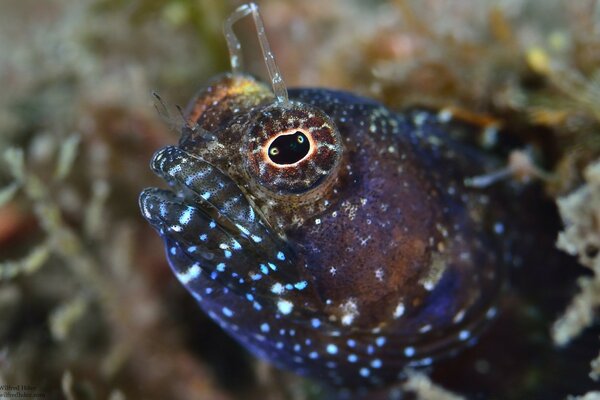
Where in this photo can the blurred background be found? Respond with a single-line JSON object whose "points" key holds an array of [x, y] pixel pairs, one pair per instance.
{"points": [[88, 306]]}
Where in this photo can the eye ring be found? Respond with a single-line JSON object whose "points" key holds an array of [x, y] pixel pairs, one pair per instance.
{"points": [[288, 149], [308, 155]]}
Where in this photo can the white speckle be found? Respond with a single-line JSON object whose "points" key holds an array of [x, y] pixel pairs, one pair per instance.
{"points": [[203, 237], [491, 313], [285, 307], [192, 273], [464, 335], [332, 348], [272, 266], [409, 351], [425, 328], [206, 195], [264, 328], [300, 285], [243, 229], [332, 271], [317, 221], [255, 277], [350, 311], [277, 288], [212, 224], [419, 118], [227, 312], [428, 285], [236, 245], [364, 372], [459, 316], [186, 216], [264, 269], [176, 228], [399, 311], [379, 274], [352, 358], [376, 363], [499, 228], [444, 116]]}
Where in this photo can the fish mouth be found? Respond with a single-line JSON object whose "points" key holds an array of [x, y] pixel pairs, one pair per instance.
{"points": [[196, 185], [207, 223]]}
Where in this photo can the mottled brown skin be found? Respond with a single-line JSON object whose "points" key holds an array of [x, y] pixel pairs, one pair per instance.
{"points": [[396, 261]]}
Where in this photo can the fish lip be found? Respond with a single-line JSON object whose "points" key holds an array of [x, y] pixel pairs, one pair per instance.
{"points": [[190, 178]]}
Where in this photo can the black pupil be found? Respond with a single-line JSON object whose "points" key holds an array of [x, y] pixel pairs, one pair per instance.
{"points": [[288, 149]]}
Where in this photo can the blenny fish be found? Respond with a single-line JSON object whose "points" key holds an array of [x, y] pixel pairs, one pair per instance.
{"points": [[326, 233]]}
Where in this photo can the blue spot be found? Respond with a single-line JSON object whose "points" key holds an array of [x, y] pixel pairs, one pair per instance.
{"points": [[380, 341], [191, 249], [280, 256], [272, 266], [279, 345], [364, 372], [370, 349], [376, 363], [332, 348], [409, 351], [227, 312], [227, 254], [289, 286], [352, 358], [173, 250], [264, 328], [256, 277], [301, 285], [313, 355], [212, 224], [208, 290], [351, 342], [249, 297], [220, 267], [206, 195], [203, 237], [264, 269], [315, 323], [257, 306]]}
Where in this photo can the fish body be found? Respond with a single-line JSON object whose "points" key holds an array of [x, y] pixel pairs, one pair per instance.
{"points": [[328, 234]]}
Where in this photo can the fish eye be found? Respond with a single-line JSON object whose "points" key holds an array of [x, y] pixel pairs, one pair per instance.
{"points": [[289, 149], [292, 148]]}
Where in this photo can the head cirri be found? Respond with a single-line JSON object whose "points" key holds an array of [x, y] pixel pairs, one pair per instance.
{"points": [[324, 232]]}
